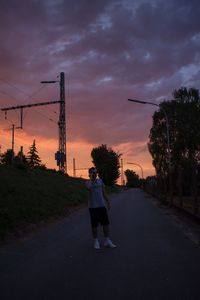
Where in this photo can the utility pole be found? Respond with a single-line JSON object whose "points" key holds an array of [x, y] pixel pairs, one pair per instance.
{"points": [[21, 154], [74, 167], [60, 155], [122, 172], [13, 141], [13, 138], [21, 107]]}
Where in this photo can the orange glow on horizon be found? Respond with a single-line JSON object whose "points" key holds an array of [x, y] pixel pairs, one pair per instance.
{"points": [[79, 150]]}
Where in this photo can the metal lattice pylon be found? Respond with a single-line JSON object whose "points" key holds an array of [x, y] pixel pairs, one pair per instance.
{"points": [[61, 154]]}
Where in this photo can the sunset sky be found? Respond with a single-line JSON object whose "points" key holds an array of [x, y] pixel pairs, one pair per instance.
{"points": [[110, 51]]}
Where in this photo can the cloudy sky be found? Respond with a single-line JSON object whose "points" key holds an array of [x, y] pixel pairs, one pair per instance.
{"points": [[110, 51]]}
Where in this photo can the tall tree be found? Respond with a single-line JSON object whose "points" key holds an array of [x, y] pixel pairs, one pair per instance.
{"points": [[132, 178], [33, 157], [183, 112], [107, 164]]}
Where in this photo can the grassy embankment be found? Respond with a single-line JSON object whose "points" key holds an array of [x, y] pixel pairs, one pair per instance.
{"points": [[31, 198]]}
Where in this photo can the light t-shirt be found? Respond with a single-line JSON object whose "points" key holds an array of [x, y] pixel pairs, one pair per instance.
{"points": [[96, 198]]}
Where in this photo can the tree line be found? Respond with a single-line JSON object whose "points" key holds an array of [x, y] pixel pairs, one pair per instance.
{"points": [[32, 159], [183, 113], [107, 163], [105, 159], [177, 179], [181, 160]]}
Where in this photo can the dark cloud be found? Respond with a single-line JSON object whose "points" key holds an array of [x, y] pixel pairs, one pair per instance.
{"points": [[109, 51]]}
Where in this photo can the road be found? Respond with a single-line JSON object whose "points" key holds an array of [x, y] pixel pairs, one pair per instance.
{"points": [[153, 258]]}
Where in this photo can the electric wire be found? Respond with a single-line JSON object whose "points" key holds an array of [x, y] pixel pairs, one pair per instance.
{"points": [[13, 86], [7, 94], [28, 97], [25, 101]]}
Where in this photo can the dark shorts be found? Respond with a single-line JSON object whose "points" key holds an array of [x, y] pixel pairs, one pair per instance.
{"points": [[98, 216]]}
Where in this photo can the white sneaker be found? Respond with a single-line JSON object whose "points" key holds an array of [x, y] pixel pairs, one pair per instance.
{"points": [[96, 244], [108, 243]]}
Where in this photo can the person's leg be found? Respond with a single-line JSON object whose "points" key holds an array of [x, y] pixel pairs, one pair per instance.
{"points": [[94, 232], [95, 236], [106, 231], [94, 222], [108, 243], [94, 225]]}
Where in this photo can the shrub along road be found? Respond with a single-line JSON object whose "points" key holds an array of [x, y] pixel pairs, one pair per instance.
{"points": [[153, 258]]}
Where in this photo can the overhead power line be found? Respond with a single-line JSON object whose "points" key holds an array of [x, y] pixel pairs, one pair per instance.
{"points": [[60, 155]]}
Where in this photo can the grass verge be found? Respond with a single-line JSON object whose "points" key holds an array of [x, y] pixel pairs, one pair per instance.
{"points": [[31, 198]]}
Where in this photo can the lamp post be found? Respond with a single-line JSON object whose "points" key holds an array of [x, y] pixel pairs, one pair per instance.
{"points": [[167, 122], [130, 163]]}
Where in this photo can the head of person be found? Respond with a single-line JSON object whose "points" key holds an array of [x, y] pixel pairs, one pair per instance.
{"points": [[92, 173]]}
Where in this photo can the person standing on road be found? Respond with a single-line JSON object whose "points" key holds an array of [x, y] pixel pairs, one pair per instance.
{"points": [[97, 208]]}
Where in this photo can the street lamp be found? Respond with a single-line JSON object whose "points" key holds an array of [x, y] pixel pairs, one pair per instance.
{"points": [[166, 118], [130, 163]]}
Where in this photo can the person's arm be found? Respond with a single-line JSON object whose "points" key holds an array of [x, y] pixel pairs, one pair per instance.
{"points": [[106, 198], [88, 185]]}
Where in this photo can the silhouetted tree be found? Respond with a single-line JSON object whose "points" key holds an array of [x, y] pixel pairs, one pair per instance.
{"points": [[7, 157], [184, 122], [107, 164], [133, 179], [33, 158], [20, 158]]}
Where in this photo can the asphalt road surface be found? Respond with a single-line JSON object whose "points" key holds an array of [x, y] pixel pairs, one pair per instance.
{"points": [[153, 258]]}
